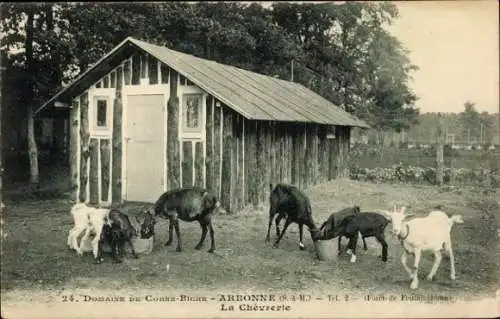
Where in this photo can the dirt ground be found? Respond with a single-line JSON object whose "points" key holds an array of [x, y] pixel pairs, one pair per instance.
{"points": [[36, 264]]}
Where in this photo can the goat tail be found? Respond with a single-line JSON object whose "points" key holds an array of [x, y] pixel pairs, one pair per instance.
{"points": [[456, 219]]}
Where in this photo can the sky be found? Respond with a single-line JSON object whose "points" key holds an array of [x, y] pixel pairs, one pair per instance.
{"points": [[456, 46]]}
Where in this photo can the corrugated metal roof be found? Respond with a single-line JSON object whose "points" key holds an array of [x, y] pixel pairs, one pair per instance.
{"points": [[253, 95]]}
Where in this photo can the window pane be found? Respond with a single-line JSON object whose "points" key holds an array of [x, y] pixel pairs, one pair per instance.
{"points": [[192, 111], [101, 113]]}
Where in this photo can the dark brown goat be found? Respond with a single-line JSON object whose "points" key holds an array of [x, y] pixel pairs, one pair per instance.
{"points": [[187, 204], [368, 224], [289, 201], [331, 228], [116, 232]]}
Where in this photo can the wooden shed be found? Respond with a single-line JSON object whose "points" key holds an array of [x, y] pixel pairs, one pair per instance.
{"points": [[146, 119]]}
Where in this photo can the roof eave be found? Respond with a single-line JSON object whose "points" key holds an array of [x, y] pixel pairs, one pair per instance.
{"points": [[60, 94]]}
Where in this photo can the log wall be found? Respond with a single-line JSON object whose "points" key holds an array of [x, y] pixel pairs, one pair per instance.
{"points": [[237, 159]]}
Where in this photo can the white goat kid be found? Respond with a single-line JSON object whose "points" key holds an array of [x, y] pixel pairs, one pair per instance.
{"points": [[87, 219], [430, 233]]}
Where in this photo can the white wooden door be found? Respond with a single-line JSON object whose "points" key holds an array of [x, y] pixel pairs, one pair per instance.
{"points": [[145, 144]]}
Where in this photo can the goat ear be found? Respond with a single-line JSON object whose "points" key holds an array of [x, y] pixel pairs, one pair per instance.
{"points": [[387, 214]]}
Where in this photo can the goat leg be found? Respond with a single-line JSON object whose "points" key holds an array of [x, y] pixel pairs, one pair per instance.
{"points": [[353, 240], [70, 238], [287, 223], [435, 266], [178, 233], [404, 257], [82, 240], [268, 236], [301, 237], [132, 249], [98, 259], [277, 223], [381, 240], [204, 228], [449, 249], [115, 249], [170, 232], [339, 248], [416, 262], [212, 237], [364, 243]]}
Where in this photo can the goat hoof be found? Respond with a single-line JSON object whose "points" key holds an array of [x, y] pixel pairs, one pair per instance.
{"points": [[135, 256], [211, 250], [302, 248], [168, 243], [430, 278], [414, 285], [178, 249], [198, 247], [453, 277], [117, 261]]}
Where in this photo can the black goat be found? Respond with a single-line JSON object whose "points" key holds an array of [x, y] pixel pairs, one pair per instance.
{"points": [[116, 232], [289, 201], [331, 228], [368, 224], [187, 204]]}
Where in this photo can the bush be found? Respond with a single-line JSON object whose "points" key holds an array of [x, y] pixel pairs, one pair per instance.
{"points": [[426, 175], [448, 151]]}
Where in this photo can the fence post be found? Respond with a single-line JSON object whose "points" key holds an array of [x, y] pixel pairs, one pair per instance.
{"points": [[439, 151]]}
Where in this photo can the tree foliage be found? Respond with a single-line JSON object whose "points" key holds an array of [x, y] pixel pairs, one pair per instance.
{"points": [[341, 51]]}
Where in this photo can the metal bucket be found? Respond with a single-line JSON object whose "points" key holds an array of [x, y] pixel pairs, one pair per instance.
{"points": [[325, 249]]}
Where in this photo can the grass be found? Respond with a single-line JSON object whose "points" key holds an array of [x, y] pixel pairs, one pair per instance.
{"points": [[35, 256], [367, 157]]}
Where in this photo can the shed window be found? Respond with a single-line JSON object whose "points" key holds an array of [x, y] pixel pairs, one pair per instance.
{"points": [[102, 112], [192, 112], [100, 121], [330, 132]]}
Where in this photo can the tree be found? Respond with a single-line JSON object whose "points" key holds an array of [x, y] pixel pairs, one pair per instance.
{"points": [[487, 124], [356, 63], [30, 46], [470, 121], [341, 51]]}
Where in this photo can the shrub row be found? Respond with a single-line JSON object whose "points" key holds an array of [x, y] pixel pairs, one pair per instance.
{"points": [[426, 175]]}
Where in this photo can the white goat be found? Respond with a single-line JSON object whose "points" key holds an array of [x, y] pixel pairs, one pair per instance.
{"points": [[426, 233], [88, 219]]}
